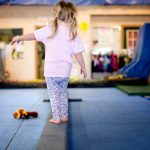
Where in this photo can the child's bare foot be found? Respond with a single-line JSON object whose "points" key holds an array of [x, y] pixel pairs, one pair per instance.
{"points": [[64, 119], [55, 121]]}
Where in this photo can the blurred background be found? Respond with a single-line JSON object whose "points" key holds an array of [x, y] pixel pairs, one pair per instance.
{"points": [[108, 29]]}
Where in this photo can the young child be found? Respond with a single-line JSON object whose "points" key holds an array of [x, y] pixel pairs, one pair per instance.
{"points": [[61, 42]]}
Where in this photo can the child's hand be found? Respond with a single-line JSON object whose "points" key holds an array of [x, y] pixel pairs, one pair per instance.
{"points": [[83, 71], [15, 39]]}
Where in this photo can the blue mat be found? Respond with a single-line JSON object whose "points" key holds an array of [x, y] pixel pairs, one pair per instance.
{"points": [[108, 119], [22, 134]]}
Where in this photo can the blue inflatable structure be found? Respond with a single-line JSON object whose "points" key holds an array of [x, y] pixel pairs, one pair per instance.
{"points": [[140, 65]]}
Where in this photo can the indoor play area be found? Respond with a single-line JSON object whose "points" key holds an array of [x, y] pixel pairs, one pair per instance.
{"points": [[109, 110]]}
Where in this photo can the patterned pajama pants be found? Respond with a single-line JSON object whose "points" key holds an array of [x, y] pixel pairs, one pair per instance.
{"points": [[57, 91]]}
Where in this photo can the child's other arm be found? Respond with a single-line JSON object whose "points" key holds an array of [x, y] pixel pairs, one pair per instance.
{"points": [[26, 37], [80, 60]]}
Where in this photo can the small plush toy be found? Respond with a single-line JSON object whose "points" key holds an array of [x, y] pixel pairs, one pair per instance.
{"points": [[22, 114]]}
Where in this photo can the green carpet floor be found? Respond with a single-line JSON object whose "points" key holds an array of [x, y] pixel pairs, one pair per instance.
{"points": [[142, 90]]}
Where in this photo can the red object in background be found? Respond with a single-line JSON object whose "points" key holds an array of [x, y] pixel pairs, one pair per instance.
{"points": [[130, 44], [130, 35], [135, 34], [116, 63]]}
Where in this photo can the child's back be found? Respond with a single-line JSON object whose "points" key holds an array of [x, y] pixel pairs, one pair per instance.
{"points": [[58, 50]]}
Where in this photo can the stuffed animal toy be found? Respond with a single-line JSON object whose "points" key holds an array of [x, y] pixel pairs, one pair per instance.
{"points": [[22, 114]]}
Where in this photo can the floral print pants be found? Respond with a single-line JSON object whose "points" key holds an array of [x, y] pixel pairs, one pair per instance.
{"points": [[57, 91]]}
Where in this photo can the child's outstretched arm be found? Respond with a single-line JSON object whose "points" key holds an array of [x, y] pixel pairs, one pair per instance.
{"points": [[26, 37], [80, 60]]}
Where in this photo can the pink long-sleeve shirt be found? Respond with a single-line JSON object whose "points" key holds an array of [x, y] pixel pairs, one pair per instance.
{"points": [[58, 50]]}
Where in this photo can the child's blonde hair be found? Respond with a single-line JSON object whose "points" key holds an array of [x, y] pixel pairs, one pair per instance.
{"points": [[65, 12]]}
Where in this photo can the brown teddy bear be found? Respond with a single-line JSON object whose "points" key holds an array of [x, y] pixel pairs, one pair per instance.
{"points": [[22, 114]]}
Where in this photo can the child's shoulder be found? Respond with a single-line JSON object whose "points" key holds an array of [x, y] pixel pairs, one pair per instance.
{"points": [[47, 29]]}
